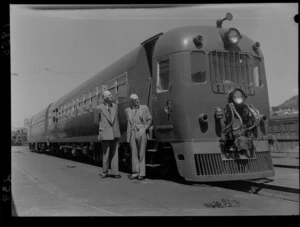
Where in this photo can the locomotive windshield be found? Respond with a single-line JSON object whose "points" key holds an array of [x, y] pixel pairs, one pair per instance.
{"points": [[232, 68]]}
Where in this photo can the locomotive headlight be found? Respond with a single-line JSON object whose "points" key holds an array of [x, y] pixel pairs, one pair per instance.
{"points": [[238, 97], [233, 36]]}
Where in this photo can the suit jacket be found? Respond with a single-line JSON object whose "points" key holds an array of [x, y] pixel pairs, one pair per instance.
{"points": [[144, 115], [108, 125]]}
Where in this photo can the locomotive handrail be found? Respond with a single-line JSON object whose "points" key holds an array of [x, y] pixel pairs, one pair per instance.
{"points": [[233, 111], [149, 91], [229, 125], [253, 111], [240, 119]]}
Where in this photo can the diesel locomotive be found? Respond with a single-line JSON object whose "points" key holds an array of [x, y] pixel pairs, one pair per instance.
{"points": [[207, 92]]}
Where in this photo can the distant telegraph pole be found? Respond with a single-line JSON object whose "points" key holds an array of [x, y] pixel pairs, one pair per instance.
{"points": [[5, 40]]}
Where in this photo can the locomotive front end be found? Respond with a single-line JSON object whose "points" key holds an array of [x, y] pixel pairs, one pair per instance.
{"points": [[220, 107], [238, 72]]}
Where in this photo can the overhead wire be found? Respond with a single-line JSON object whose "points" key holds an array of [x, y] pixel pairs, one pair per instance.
{"points": [[52, 71]]}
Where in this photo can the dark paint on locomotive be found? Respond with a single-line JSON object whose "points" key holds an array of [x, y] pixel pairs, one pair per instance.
{"points": [[197, 149]]}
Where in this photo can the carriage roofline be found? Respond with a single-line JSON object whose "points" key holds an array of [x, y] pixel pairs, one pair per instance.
{"points": [[118, 67]]}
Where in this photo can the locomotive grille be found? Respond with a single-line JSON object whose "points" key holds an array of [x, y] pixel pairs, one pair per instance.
{"points": [[212, 164], [229, 69]]}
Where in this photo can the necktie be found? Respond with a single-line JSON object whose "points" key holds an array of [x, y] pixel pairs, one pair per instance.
{"points": [[109, 110]]}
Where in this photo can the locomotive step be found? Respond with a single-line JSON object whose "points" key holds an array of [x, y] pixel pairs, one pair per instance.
{"points": [[153, 165], [151, 150]]}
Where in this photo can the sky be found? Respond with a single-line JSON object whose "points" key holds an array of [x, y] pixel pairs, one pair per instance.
{"points": [[53, 51]]}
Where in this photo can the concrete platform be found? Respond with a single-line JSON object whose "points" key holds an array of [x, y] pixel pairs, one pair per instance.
{"points": [[284, 159], [44, 185]]}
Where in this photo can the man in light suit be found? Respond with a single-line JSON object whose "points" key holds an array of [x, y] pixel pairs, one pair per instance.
{"points": [[109, 134], [138, 121]]}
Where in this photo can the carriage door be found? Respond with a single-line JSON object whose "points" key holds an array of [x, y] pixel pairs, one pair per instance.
{"points": [[161, 98]]}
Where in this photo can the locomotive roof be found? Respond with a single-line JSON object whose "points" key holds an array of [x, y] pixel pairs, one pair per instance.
{"points": [[181, 39], [39, 115]]}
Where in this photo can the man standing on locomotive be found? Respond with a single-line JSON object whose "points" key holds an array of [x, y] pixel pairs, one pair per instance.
{"points": [[138, 121], [109, 134]]}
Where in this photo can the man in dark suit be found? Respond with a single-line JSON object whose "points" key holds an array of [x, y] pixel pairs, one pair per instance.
{"points": [[138, 121], [109, 134]]}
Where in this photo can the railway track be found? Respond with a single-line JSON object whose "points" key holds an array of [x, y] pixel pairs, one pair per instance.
{"points": [[265, 187], [260, 188]]}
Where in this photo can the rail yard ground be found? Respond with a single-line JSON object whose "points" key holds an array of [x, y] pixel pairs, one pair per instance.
{"points": [[45, 185]]}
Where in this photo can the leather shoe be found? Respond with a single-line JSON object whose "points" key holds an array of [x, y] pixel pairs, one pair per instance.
{"points": [[104, 175], [118, 176], [131, 177], [141, 178]]}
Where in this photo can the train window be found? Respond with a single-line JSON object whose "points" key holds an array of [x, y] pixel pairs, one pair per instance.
{"points": [[72, 111], [111, 84], [122, 93], [75, 110], [87, 106], [163, 76], [290, 127], [80, 109], [114, 93], [94, 101], [64, 111], [101, 88], [53, 118], [90, 106], [277, 128], [93, 92], [67, 113], [61, 113], [257, 72], [58, 113], [198, 67], [100, 99], [122, 78]]}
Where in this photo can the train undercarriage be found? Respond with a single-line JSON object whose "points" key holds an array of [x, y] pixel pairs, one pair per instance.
{"points": [[159, 156]]}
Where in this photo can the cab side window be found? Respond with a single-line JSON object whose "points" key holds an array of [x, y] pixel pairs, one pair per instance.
{"points": [[257, 72], [198, 67], [163, 73]]}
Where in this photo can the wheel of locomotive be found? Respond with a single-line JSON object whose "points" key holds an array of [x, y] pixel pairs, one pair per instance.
{"points": [[37, 148], [54, 149], [125, 156], [166, 169], [42, 147], [30, 147], [61, 152], [168, 166], [96, 153]]}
